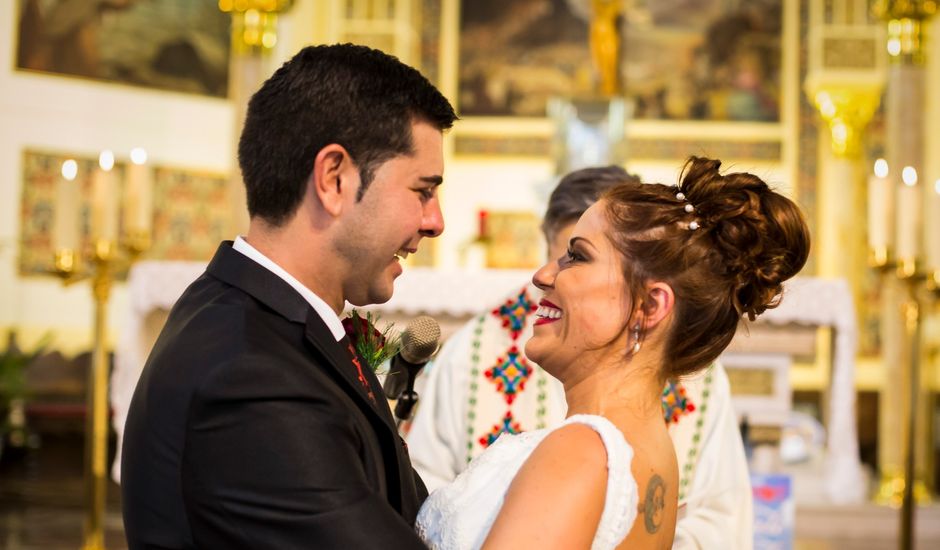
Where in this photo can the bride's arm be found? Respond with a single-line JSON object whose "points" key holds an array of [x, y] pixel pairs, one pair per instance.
{"points": [[557, 497]]}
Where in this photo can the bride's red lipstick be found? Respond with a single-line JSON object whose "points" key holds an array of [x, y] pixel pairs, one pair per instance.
{"points": [[546, 320]]}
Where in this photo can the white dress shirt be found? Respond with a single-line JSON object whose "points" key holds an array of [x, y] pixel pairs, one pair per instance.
{"points": [[323, 310]]}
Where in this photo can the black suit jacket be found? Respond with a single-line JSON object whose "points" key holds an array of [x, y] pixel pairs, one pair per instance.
{"points": [[249, 429]]}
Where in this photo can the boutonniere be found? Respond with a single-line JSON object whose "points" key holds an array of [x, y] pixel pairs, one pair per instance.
{"points": [[372, 345]]}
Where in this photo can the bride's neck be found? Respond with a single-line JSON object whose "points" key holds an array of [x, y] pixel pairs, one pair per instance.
{"points": [[631, 386]]}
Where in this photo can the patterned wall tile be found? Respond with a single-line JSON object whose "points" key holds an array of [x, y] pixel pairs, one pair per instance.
{"points": [[189, 218]]}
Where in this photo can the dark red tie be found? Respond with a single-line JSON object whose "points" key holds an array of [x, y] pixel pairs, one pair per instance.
{"points": [[360, 374]]}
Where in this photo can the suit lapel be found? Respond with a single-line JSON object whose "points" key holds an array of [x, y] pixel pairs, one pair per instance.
{"points": [[340, 360]]}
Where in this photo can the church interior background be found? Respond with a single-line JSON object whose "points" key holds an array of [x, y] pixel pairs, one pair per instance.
{"points": [[117, 181]]}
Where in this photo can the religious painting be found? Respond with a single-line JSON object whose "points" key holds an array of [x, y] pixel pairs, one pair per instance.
{"points": [[707, 60], [176, 45], [515, 240], [190, 213]]}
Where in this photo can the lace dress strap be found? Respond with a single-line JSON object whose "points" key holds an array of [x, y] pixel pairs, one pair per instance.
{"points": [[620, 503]]}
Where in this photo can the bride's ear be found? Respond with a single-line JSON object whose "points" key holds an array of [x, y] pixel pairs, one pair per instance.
{"points": [[658, 304]]}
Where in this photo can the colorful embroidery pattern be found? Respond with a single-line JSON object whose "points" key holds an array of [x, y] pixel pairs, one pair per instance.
{"points": [[514, 313], [675, 402], [510, 374], [507, 426], [689, 469]]}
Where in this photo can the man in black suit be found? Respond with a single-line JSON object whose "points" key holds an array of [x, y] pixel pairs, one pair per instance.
{"points": [[254, 425]]}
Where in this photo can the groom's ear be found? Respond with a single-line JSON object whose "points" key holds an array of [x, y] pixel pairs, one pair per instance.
{"points": [[334, 179], [658, 303]]}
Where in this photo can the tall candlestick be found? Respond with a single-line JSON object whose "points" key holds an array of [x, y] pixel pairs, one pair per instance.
{"points": [[880, 208], [908, 219], [138, 199], [932, 233], [104, 200], [66, 227]]}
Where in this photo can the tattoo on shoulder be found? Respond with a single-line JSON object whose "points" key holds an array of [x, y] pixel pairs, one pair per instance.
{"points": [[655, 503]]}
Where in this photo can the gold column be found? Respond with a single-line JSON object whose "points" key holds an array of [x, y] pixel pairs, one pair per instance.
{"points": [[847, 108], [254, 37], [904, 453], [845, 79]]}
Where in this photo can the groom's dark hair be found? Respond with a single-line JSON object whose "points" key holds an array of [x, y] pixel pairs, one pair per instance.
{"points": [[354, 96]]}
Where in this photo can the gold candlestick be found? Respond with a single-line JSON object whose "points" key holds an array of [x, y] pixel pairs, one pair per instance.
{"points": [[104, 261]]}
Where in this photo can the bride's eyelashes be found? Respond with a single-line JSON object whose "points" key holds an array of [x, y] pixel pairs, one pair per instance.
{"points": [[572, 256]]}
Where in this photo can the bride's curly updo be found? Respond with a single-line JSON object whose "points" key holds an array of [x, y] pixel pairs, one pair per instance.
{"points": [[724, 243]]}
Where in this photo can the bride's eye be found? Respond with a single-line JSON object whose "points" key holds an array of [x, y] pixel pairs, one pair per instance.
{"points": [[570, 257]]}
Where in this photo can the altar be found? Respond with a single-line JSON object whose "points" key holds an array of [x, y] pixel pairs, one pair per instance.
{"points": [[453, 296]]}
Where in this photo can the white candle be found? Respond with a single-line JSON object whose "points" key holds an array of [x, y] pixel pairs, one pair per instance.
{"points": [[880, 207], [932, 232], [66, 226], [908, 218], [104, 200], [138, 200]]}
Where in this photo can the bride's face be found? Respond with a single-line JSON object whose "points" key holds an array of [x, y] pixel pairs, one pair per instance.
{"points": [[585, 307]]}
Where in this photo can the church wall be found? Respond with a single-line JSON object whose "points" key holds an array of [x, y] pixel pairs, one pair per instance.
{"points": [[71, 115]]}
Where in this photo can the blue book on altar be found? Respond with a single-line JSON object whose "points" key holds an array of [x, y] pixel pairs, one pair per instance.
{"points": [[774, 511]]}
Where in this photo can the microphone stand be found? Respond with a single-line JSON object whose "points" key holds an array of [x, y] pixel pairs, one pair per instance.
{"points": [[405, 395]]}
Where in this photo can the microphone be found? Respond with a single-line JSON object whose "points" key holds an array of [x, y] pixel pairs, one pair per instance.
{"points": [[419, 341]]}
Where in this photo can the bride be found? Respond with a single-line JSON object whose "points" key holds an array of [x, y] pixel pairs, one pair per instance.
{"points": [[653, 285]]}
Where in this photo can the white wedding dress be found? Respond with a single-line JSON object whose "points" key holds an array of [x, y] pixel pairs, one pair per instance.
{"points": [[459, 516]]}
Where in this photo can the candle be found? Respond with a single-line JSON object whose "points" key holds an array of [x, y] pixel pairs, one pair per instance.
{"points": [[482, 234], [908, 219], [933, 227], [104, 200], [880, 207], [138, 199], [66, 226]]}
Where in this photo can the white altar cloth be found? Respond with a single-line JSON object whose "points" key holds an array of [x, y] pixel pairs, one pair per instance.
{"points": [[460, 293]]}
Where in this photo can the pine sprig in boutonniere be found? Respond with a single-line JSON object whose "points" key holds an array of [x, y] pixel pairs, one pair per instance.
{"points": [[373, 346]]}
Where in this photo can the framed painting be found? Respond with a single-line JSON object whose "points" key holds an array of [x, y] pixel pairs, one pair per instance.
{"points": [[717, 71], [679, 59], [176, 45]]}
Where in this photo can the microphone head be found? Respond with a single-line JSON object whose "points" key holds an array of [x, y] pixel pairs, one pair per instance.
{"points": [[420, 339]]}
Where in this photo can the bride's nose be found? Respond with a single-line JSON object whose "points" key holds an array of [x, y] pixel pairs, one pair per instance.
{"points": [[544, 278]]}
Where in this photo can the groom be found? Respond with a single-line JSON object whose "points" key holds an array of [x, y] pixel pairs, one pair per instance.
{"points": [[254, 424]]}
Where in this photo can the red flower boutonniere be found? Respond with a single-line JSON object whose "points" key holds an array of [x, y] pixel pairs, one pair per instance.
{"points": [[372, 345]]}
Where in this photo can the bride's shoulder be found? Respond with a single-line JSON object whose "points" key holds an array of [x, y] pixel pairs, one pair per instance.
{"points": [[615, 445], [578, 442], [565, 476]]}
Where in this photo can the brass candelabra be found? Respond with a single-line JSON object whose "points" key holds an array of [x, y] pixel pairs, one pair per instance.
{"points": [[919, 286], [99, 264]]}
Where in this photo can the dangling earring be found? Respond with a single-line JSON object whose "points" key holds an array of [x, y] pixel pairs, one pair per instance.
{"points": [[636, 338]]}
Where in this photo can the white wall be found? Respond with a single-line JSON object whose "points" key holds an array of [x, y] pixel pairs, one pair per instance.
{"points": [[79, 116]]}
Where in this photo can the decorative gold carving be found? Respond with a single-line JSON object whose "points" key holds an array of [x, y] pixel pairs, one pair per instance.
{"points": [[254, 23], [850, 53], [904, 9], [905, 20], [891, 490], [847, 109]]}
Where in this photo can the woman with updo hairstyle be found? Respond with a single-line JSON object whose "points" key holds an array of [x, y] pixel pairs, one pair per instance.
{"points": [[653, 286], [725, 245]]}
